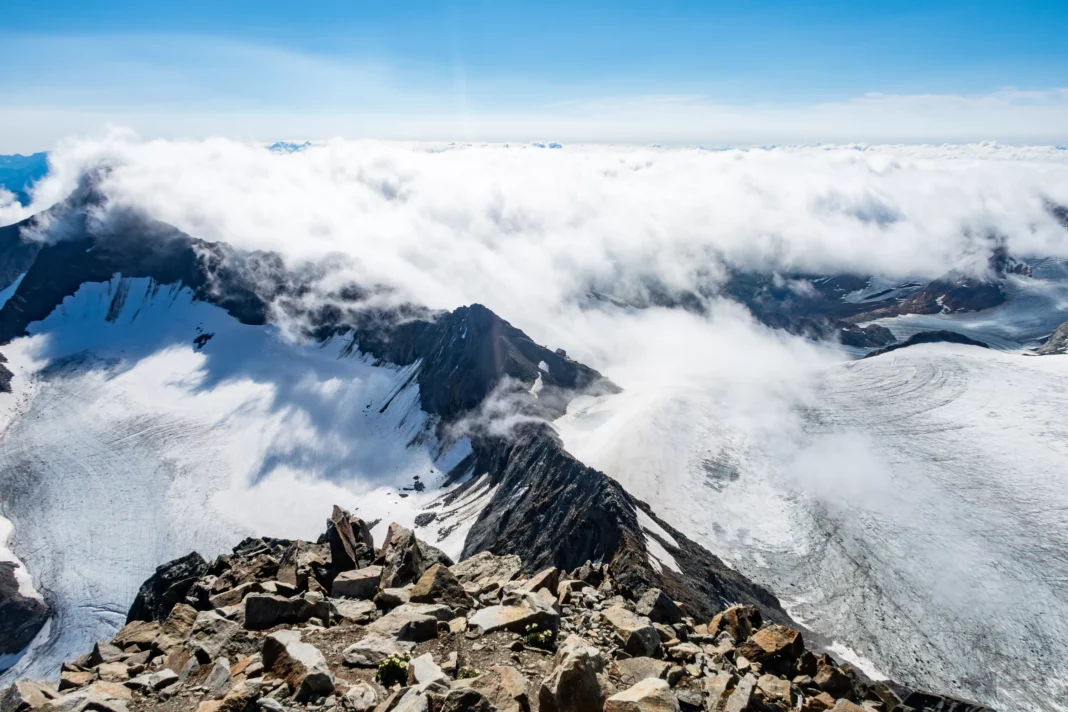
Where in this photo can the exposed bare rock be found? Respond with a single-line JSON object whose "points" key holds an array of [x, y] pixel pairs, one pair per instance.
{"points": [[166, 588], [358, 583], [649, 695], [440, 585], [504, 687], [637, 633], [658, 607], [575, 684], [299, 664]]}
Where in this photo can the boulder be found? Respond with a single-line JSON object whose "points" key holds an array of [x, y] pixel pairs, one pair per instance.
{"points": [[718, 689], [210, 634], [658, 607], [217, 683], [649, 695], [357, 583], [504, 687], [575, 684], [513, 618], [234, 595], [466, 700], [847, 706], [264, 610], [360, 697], [776, 689], [410, 700], [741, 696], [423, 670], [930, 701], [105, 652], [299, 664], [401, 558], [637, 633], [162, 679], [139, 633], [73, 679], [389, 598], [349, 538], [739, 621], [179, 623], [166, 588], [26, 694], [372, 650], [633, 670], [439, 585], [400, 624], [350, 611], [113, 672], [299, 563], [775, 647], [240, 697], [485, 571], [549, 579], [832, 681]]}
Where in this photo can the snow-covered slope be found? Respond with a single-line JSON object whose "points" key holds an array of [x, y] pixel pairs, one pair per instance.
{"points": [[916, 508], [126, 443]]}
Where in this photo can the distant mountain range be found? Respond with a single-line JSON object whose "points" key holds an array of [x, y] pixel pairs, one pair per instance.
{"points": [[18, 173]]}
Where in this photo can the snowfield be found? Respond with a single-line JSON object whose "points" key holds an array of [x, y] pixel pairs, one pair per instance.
{"points": [[124, 445], [914, 508]]}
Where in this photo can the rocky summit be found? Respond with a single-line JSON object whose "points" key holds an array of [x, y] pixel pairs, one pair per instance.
{"points": [[339, 624]]}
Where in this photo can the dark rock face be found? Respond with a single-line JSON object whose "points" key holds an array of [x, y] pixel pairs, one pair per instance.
{"points": [[930, 702], [1056, 344], [948, 294], [167, 587], [21, 618], [930, 337], [5, 376]]}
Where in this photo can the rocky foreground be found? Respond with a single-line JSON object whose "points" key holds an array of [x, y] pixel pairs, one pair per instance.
{"points": [[293, 625]]}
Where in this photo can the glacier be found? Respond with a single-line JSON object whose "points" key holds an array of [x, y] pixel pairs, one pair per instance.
{"points": [[128, 441], [912, 507]]}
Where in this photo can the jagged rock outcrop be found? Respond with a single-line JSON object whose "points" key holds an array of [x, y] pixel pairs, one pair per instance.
{"points": [[930, 337], [434, 655], [1057, 343], [21, 616]]}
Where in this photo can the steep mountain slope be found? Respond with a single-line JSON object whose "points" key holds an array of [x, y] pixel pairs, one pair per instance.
{"points": [[155, 410]]}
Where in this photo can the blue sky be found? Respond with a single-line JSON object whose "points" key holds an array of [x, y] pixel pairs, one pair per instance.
{"points": [[692, 71]]}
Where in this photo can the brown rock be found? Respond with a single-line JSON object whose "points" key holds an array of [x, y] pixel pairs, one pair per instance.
{"points": [[357, 583], [649, 695], [637, 632], [504, 687], [833, 681], [847, 706], [351, 545], [299, 664], [549, 578], [234, 596], [139, 633], [26, 694], [574, 685], [631, 671], [178, 625], [439, 585], [658, 607], [69, 680], [818, 703], [739, 621], [776, 689], [775, 648]]}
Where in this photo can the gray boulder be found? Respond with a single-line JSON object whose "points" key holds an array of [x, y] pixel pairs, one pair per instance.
{"points": [[358, 583], [575, 684], [299, 664], [264, 610], [637, 633]]}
